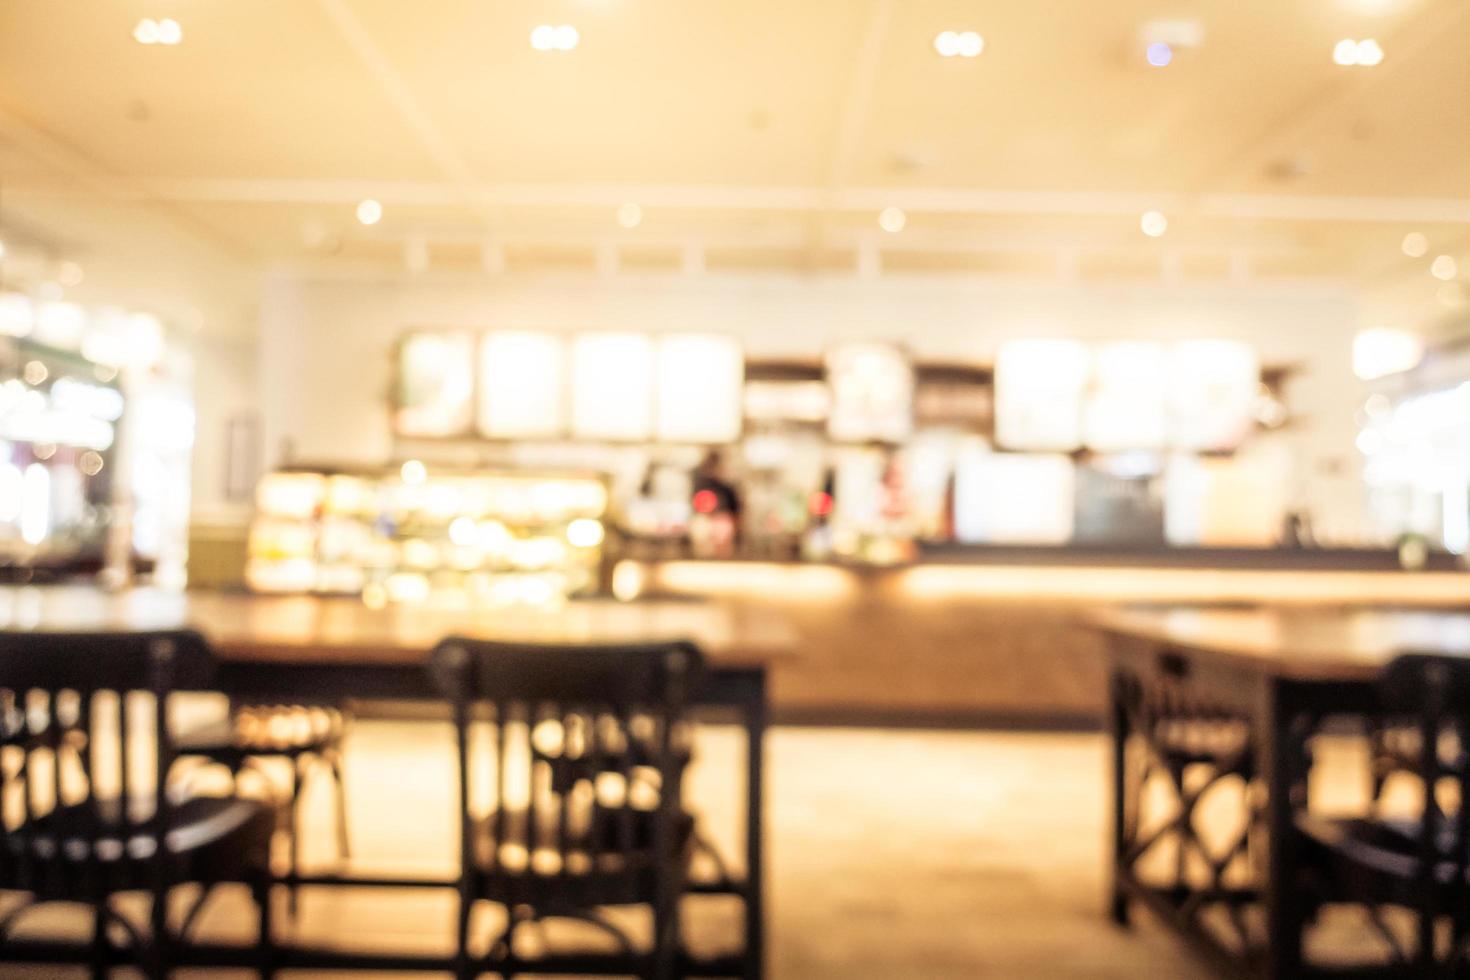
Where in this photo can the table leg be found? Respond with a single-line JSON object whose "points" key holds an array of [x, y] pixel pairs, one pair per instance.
{"points": [[1118, 735], [1280, 748], [755, 913]]}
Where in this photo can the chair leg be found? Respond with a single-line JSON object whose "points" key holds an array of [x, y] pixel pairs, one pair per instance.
{"points": [[293, 800], [266, 947], [344, 843], [100, 946]]}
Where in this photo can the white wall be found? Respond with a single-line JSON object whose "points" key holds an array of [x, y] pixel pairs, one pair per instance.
{"points": [[325, 344]]}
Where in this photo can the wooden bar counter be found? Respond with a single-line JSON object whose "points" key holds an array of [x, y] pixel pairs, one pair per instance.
{"points": [[1004, 641]]}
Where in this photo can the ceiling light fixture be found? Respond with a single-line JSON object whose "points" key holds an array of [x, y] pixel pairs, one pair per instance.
{"points": [[892, 220], [630, 215], [369, 212], [166, 31], [1444, 268], [962, 44], [1159, 54], [551, 37], [1415, 246], [1153, 223], [1350, 53]]}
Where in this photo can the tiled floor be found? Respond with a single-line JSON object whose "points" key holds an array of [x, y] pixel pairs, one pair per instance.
{"points": [[892, 854]]}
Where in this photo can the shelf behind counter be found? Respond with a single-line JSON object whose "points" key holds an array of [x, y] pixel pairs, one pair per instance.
{"points": [[995, 636]]}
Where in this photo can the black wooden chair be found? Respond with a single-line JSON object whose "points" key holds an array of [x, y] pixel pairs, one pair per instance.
{"points": [[307, 737], [86, 810], [1418, 863], [570, 781]]}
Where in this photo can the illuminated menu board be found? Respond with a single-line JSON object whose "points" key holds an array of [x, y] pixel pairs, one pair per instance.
{"points": [[522, 393], [699, 388], [1126, 401], [612, 386], [872, 393], [1061, 395], [435, 383], [1213, 388], [1039, 391]]}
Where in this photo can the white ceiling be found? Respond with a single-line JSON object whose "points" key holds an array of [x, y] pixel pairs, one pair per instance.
{"points": [[753, 133]]}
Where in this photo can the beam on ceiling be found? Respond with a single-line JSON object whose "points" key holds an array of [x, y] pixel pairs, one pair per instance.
{"points": [[969, 201]]}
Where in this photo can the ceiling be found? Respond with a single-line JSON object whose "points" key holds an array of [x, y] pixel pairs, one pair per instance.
{"points": [[753, 134]]}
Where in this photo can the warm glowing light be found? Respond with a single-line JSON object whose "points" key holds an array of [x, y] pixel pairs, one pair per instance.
{"points": [[90, 463], [1365, 53], [169, 31], [628, 579], [1159, 54], [1153, 223], [962, 44], [463, 531], [548, 37], [1415, 246], [584, 532], [892, 220], [35, 511], [630, 215], [1382, 351], [1369, 442], [35, 373], [146, 32], [369, 212], [1444, 268], [413, 472]]}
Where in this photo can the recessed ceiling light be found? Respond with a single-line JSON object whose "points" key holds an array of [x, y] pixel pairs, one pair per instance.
{"points": [[1444, 267], [892, 220], [369, 212], [552, 37], [165, 31], [963, 44], [1415, 246], [1159, 54], [630, 215], [1365, 53], [1153, 223]]}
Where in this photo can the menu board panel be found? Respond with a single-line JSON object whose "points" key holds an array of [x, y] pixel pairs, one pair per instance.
{"points": [[872, 393], [435, 383], [612, 386], [1213, 387], [1126, 402], [700, 377], [1039, 391], [522, 390]]}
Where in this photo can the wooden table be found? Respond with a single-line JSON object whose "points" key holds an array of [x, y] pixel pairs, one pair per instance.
{"points": [[1274, 675], [294, 648]]}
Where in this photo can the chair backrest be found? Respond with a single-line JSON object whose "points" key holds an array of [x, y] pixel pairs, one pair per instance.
{"points": [[1432, 693], [74, 756], [570, 766]]}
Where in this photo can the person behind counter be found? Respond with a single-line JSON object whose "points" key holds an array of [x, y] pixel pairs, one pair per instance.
{"points": [[714, 525]]}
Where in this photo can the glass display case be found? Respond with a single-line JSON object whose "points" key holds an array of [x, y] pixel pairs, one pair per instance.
{"points": [[411, 534]]}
